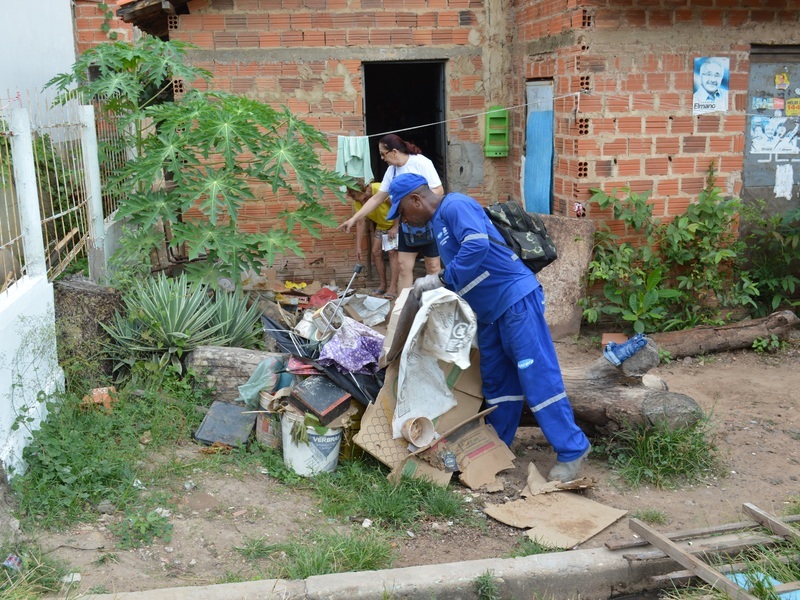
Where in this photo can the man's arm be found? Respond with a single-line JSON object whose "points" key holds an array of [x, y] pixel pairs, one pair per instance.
{"points": [[466, 224]]}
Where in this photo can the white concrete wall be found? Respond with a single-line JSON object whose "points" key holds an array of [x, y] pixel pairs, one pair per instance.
{"points": [[28, 363], [37, 42]]}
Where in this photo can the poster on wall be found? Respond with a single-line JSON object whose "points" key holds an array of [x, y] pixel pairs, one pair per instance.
{"points": [[711, 76]]}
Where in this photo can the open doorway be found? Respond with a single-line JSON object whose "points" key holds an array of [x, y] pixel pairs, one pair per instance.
{"points": [[404, 95]]}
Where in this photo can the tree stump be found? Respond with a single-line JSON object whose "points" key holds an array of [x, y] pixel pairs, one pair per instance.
{"points": [[222, 370], [606, 398]]}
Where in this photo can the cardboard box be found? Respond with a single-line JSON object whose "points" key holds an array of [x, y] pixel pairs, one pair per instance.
{"points": [[480, 453]]}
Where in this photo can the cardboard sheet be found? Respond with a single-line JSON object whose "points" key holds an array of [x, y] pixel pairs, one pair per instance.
{"points": [[554, 516]]}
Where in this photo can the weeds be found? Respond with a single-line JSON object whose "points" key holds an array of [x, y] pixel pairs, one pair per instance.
{"points": [[663, 455], [486, 586], [81, 457], [37, 576], [771, 344], [142, 530], [322, 553], [360, 488], [651, 516], [529, 547]]}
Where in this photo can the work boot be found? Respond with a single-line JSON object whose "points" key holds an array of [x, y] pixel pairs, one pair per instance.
{"points": [[618, 353], [568, 471]]}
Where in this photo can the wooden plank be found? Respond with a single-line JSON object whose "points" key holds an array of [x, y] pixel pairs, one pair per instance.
{"points": [[792, 586], [705, 572], [688, 534], [684, 577], [711, 547], [774, 524]]}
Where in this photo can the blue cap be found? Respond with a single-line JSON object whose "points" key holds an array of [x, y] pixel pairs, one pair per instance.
{"points": [[402, 186]]}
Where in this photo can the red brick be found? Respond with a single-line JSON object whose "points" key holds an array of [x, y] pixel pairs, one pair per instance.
{"points": [[667, 145], [640, 146], [682, 125], [656, 166], [629, 167], [692, 144], [615, 147], [719, 144], [683, 165], [667, 187], [660, 18], [655, 125], [692, 185], [629, 124]]}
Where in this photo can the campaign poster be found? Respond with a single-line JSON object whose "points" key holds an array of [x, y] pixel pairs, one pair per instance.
{"points": [[711, 76]]}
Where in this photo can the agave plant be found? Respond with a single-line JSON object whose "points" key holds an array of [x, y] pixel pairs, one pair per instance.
{"points": [[165, 318], [239, 324]]}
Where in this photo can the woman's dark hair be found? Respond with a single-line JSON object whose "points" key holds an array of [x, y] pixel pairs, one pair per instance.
{"points": [[395, 142]]}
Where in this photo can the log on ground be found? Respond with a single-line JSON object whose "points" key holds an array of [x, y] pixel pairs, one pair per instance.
{"points": [[606, 398], [702, 340]]}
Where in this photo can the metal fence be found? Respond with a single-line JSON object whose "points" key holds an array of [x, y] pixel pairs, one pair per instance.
{"points": [[12, 254], [62, 166]]}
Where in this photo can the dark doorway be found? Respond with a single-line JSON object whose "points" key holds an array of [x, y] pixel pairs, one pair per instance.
{"points": [[399, 97]]}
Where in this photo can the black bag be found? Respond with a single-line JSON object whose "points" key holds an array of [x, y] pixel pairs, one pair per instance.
{"points": [[524, 233], [417, 236]]}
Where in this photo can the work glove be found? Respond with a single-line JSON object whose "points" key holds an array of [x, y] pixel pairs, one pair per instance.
{"points": [[427, 283]]}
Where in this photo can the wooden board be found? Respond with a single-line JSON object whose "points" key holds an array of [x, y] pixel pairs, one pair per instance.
{"points": [[705, 572]]}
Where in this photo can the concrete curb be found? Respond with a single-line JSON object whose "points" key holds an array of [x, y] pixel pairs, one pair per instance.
{"points": [[595, 573]]}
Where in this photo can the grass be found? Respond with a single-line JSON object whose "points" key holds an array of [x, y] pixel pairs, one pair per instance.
{"points": [[529, 547], [486, 586], [651, 516], [359, 488], [664, 456], [81, 457], [38, 575], [321, 553]]}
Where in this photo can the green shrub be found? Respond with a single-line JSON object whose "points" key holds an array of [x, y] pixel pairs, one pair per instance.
{"points": [[680, 273], [772, 256], [165, 318]]}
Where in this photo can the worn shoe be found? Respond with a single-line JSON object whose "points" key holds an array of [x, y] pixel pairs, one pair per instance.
{"points": [[618, 353], [568, 471]]}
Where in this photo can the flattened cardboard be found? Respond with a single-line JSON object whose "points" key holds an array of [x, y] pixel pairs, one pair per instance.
{"points": [[375, 435], [554, 517]]}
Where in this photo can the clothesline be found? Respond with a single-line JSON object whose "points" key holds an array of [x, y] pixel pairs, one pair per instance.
{"points": [[662, 105], [486, 112]]}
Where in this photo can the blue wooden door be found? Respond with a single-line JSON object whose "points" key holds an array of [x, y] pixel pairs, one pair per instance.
{"points": [[538, 169]]}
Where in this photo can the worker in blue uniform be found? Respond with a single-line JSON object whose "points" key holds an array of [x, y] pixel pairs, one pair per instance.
{"points": [[518, 358]]}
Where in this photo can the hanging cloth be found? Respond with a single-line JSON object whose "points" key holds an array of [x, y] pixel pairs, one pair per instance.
{"points": [[352, 157]]}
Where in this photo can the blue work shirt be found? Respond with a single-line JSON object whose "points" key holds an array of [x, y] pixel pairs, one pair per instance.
{"points": [[488, 275]]}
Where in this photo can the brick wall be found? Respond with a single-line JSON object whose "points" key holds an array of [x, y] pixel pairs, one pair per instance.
{"points": [[308, 55], [623, 77], [89, 21]]}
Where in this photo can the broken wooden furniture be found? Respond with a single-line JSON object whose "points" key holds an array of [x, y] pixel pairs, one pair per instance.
{"points": [[689, 556]]}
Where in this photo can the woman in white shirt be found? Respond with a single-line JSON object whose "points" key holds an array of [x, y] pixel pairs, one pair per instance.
{"points": [[403, 157]]}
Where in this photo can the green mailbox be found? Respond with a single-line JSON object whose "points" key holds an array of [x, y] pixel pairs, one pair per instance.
{"points": [[496, 143]]}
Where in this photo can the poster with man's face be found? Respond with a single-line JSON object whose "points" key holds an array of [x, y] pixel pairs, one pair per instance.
{"points": [[711, 76]]}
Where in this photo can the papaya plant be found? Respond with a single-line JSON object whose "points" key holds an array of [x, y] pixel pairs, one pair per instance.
{"points": [[198, 158]]}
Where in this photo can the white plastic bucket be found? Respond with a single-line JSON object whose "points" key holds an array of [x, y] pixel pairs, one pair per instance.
{"points": [[319, 455]]}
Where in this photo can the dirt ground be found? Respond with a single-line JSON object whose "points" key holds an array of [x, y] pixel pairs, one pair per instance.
{"points": [[753, 399]]}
